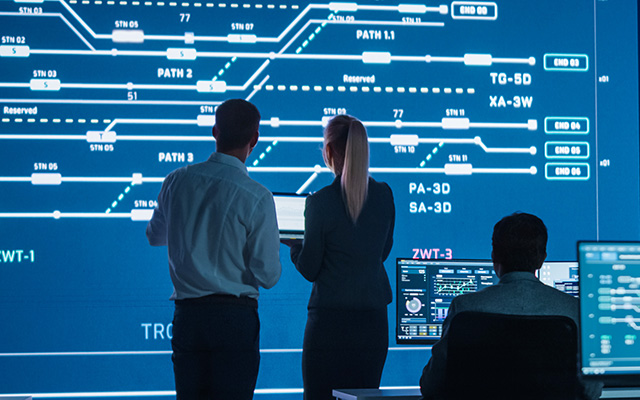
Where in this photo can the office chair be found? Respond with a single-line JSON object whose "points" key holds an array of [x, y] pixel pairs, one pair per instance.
{"points": [[497, 356]]}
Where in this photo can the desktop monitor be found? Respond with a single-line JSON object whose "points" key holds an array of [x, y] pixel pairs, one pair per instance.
{"points": [[562, 275], [610, 311], [424, 292]]}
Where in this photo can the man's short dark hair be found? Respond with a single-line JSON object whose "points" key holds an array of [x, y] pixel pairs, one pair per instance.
{"points": [[519, 242], [237, 121]]}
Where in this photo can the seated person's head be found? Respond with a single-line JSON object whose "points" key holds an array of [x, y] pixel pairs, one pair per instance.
{"points": [[237, 123], [519, 244]]}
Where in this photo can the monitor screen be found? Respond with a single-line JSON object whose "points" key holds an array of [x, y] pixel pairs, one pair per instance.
{"points": [[610, 311], [424, 292], [290, 214], [562, 275]]}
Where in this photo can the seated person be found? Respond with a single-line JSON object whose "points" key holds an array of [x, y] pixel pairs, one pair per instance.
{"points": [[519, 248]]}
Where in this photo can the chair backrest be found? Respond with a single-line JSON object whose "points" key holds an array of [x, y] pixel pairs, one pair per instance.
{"points": [[497, 356]]}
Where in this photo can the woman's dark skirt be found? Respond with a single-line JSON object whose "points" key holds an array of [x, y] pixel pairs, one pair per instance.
{"points": [[343, 349]]}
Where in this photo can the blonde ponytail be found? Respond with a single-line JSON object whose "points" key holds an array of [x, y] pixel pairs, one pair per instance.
{"points": [[347, 138]]}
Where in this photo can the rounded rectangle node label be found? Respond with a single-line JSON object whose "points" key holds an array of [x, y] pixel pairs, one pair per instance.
{"points": [[474, 10], [458, 169], [404, 140], [566, 62], [211, 86], [206, 120], [376, 57], [14, 51], [45, 84], [478, 59], [101, 136], [141, 214], [174, 53], [235, 38], [455, 123], [576, 150], [127, 36], [334, 6], [567, 171], [566, 125], [412, 8], [48, 178], [136, 179]]}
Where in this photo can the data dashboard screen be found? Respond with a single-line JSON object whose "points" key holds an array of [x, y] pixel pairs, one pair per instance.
{"points": [[610, 311], [474, 109], [560, 275], [424, 292]]}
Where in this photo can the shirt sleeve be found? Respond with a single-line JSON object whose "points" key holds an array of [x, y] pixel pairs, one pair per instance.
{"points": [[308, 258], [433, 375], [157, 226], [263, 243]]}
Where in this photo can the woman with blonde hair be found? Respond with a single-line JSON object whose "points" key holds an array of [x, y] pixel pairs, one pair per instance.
{"points": [[348, 235]]}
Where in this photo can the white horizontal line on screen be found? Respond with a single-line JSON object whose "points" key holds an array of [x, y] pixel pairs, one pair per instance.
{"points": [[163, 352]]}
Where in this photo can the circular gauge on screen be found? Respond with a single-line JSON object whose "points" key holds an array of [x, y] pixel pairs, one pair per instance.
{"points": [[414, 305]]}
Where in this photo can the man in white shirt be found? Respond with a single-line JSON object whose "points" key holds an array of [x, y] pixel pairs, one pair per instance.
{"points": [[223, 244]]}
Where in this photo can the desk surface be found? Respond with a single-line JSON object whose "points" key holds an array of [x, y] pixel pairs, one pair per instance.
{"points": [[373, 394], [414, 394], [621, 393]]}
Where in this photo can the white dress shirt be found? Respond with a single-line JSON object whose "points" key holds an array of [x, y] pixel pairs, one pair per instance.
{"points": [[220, 228]]}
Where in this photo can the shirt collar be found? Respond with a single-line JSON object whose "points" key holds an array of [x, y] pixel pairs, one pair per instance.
{"points": [[228, 160], [517, 276]]}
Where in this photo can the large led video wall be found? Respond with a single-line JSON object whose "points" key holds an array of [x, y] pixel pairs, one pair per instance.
{"points": [[474, 110]]}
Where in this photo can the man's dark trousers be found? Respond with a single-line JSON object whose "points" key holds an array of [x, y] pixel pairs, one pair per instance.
{"points": [[216, 347]]}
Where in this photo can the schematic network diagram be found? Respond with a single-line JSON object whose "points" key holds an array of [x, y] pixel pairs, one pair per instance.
{"points": [[136, 83], [474, 110]]}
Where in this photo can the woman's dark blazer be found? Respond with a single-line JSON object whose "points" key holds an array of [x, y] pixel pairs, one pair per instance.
{"points": [[345, 260]]}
